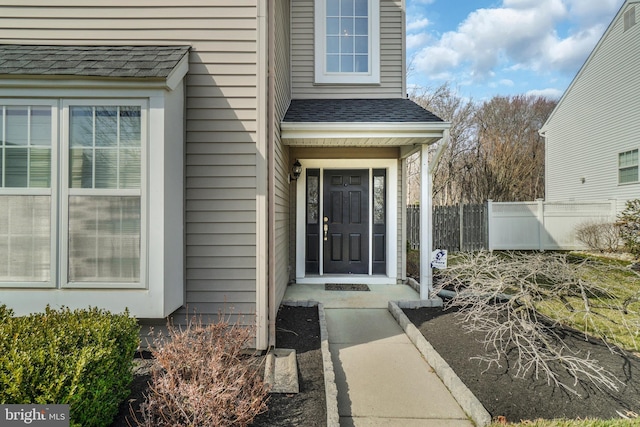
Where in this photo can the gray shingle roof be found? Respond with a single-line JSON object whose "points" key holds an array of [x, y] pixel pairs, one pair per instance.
{"points": [[90, 61], [358, 110]]}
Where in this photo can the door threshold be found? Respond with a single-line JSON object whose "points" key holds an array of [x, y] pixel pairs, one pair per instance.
{"points": [[346, 279]]}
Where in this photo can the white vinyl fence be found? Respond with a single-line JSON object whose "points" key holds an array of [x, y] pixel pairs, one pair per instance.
{"points": [[543, 225]]}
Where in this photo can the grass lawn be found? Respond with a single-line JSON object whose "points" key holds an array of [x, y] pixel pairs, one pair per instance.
{"points": [[573, 423], [613, 313]]}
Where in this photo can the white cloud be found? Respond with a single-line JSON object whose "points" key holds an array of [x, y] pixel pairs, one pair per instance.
{"points": [[591, 12], [417, 24], [417, 40], [549, 93], [519, 35], [567, 55]]}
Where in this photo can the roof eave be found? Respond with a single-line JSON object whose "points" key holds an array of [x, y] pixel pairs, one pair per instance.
{"points": [[83, 82], [329, 130]]}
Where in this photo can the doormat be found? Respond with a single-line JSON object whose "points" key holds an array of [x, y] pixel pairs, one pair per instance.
{"points": [[346, 287]]}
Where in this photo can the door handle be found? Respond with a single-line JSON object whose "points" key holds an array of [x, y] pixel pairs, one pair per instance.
{"points": [[325, 227]]}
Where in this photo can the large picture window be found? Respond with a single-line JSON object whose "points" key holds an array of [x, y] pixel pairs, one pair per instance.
{"points": [[347, 41], [71, 211]]}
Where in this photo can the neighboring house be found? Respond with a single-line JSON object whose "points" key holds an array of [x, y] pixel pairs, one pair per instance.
{"points": [[593, 135], [147, 147]]}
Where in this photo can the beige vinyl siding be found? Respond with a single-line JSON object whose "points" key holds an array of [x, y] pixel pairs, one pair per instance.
{"points": [[220, 205], [391, 55], [597, 119], [283, 162]]}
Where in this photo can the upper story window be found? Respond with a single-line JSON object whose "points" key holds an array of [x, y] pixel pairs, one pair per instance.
{"points": [[628, 167], [630, 18], [347, 41]]}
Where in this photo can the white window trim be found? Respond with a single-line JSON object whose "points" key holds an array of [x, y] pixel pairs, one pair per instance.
{"points": [[323, 77], [66, 192], [637, 165], [51, 191], [162, 291]]}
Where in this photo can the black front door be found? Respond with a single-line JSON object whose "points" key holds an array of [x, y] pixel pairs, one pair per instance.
{"points": [[346, 222]]}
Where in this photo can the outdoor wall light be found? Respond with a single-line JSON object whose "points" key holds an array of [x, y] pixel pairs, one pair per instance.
{"points": [[296, 170]]}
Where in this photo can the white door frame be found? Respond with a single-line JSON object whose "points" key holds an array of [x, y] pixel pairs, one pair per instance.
{"points": [[391, 165]]}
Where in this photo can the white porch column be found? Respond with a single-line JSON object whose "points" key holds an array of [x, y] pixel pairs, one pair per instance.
{"points": [[426, 202]]}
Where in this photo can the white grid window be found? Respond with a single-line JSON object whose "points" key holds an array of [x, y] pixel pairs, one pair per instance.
{"points": [[93, 215], [347, 41], [104, 207], [628, 167], [26, 135]]}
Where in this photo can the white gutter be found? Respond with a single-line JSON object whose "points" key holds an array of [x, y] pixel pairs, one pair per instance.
{"points": [[296, 130], [436, 158]]}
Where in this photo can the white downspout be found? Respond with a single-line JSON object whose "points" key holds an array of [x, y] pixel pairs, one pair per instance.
{"points": [[262, 215]]}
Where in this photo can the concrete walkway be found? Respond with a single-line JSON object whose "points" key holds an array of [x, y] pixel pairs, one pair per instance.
{"points": [[382, 378]]}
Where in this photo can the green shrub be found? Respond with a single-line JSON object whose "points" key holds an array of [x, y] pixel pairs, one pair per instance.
{"points": [[82, 358], [629, 224]]}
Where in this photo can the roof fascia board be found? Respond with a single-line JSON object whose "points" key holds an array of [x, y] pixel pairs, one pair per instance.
{"points": [[179, 71], [363, 130], [82, 83]]}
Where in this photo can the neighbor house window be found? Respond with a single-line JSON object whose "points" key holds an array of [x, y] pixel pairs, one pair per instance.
{"points": [[78, 190], [630, 18], [347, 41], [628, 167]]}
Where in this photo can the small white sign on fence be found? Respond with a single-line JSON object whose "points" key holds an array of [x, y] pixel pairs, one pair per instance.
{"points": [[439, 259]]}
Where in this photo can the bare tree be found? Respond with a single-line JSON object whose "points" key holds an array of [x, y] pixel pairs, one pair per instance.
{"points": [[447, 104], [504, 295], [494, 150], [507, 163]]}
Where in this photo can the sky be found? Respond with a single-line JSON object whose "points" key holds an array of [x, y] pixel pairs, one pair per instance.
{"points": [[484, 48]]}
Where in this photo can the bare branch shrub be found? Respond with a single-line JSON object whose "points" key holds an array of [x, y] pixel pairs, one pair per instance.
{"points": [[204, 378], [599, 236], [520, 301]]}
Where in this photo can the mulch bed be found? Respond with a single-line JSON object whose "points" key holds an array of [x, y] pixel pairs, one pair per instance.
{"points": [[519, 399], [297, 328]]}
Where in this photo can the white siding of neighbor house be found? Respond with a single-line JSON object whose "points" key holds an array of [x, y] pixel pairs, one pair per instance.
{"points": [[598, 117], [221, 112], [391, 55]]}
